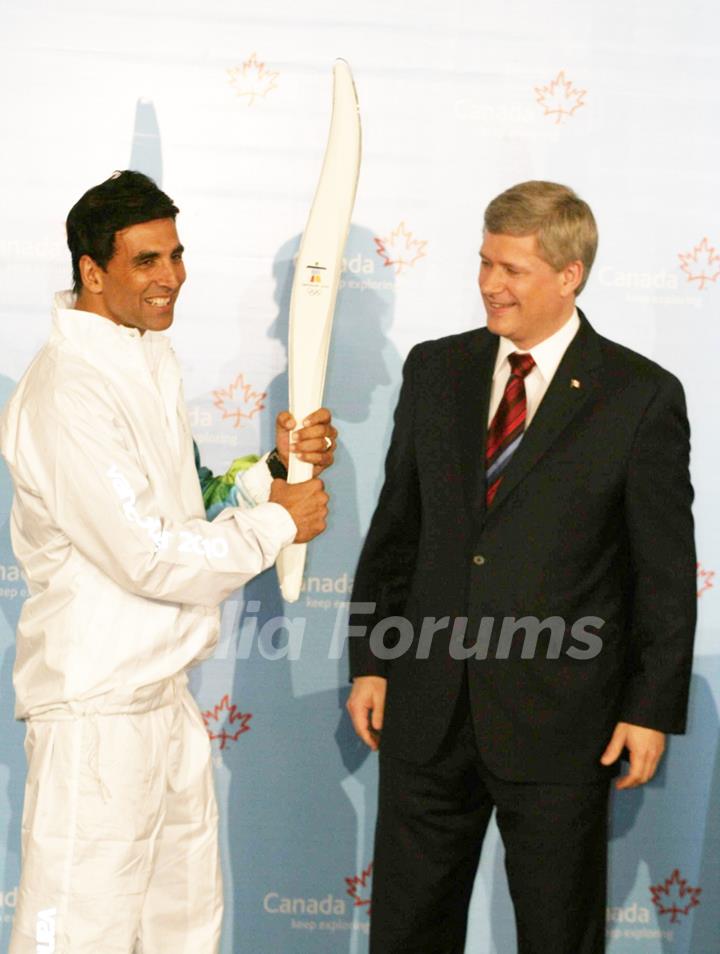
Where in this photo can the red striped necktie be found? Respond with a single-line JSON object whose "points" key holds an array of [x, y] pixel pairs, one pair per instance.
{"points": [[507, 427]]}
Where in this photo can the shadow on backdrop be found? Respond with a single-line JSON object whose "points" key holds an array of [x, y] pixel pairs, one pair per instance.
{"points": [[302, 791], [672, 822]]}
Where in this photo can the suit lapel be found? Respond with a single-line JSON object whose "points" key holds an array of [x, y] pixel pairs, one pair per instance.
{"points": [[471, 372], [570, 388]]}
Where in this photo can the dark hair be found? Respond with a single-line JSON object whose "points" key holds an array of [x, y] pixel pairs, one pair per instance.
{"points": [[126, 198]]}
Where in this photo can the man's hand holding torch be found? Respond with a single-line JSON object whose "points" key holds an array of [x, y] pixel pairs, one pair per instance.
{"points": [[314, 442]]}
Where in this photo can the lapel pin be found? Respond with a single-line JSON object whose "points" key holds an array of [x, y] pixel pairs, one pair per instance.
{"points": [[574, 383]]}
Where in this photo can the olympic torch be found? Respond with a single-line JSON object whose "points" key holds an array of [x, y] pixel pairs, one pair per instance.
{"points": [[315, 285]]}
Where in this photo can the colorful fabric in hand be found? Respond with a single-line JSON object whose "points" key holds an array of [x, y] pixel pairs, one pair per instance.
{"points": [[223, 491]]}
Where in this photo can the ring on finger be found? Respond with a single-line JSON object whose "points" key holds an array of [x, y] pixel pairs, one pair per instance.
{"points": [[328, 443]]}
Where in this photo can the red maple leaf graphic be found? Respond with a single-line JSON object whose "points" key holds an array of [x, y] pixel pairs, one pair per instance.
{"points": [[238, 401], [559, 98], [224, 706], [705, 578], [400, 248], [674, 896], [702, 264], [252, 79], [357, 882]]}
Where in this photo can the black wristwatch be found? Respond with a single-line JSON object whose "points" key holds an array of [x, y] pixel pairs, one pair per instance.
{"points": [[275, 465]]}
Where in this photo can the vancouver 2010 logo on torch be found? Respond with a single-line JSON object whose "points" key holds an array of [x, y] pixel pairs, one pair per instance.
{"points": [[314, 275]]}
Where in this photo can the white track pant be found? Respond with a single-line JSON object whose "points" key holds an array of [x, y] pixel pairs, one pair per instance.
{"points": [[119, 836]]}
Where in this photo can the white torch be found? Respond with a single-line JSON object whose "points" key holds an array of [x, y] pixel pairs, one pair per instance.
{"points": [[315, 284]]}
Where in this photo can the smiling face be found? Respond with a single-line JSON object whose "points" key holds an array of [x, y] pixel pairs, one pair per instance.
{"points": [[142, 280], [525, 299]]}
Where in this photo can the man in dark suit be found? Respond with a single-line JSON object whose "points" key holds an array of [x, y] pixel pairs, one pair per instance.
{"points": [[524, 605]]}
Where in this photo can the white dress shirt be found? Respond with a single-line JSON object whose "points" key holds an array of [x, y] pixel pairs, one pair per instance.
{"points": [[547, 355]]}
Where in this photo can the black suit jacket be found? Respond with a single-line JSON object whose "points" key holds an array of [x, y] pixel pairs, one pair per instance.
{"points": [[592, 520]]}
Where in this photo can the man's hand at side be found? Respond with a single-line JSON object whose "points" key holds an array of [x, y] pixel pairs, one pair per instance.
{"points": [[309, 443], [307, 504], [645, 746], [366, 706]]}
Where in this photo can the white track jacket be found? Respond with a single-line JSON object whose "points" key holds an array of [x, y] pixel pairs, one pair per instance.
{"points": [[124, 572]]}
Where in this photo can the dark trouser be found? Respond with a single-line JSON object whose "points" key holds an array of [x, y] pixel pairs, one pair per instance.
{"points": [[432, 820]]}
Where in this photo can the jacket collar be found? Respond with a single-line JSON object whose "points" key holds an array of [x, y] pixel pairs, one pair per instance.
{"points": [[472, 369], [547, 354], [572, 385], [100, 341]]}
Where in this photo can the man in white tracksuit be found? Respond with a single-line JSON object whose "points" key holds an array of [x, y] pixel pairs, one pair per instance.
{"points": [[125, 576]]}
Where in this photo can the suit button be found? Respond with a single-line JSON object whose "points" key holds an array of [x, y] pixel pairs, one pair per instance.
{"points": [[478, 559]]}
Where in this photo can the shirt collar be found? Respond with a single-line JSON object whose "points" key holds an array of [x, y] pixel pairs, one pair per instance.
{"points": [[101, 341], [76, 323], [547, 354]]}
